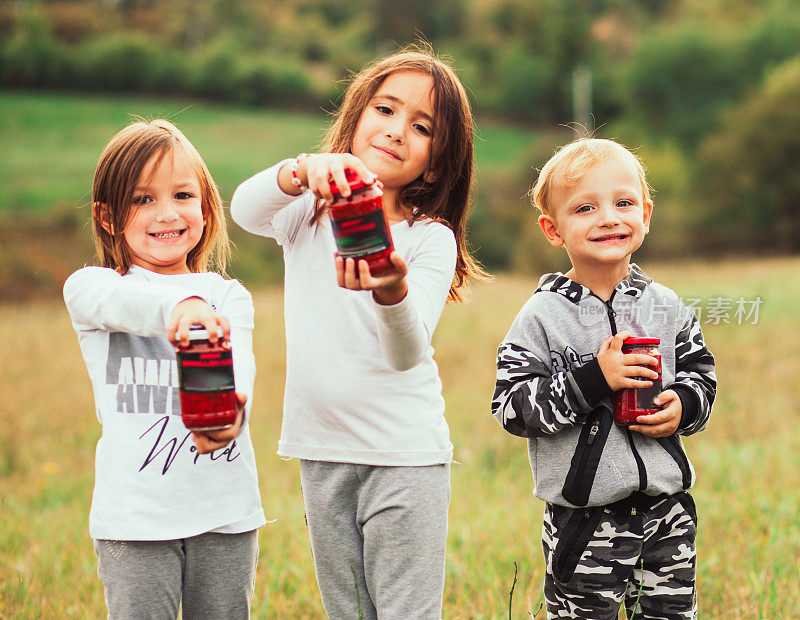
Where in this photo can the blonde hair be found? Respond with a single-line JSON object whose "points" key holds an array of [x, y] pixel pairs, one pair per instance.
{"points": [[445, 198], [572, 161], [118, 170]]}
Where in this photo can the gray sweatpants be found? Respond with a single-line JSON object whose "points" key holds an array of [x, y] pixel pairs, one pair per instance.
{"points": [[211, 576], [378, 536]]}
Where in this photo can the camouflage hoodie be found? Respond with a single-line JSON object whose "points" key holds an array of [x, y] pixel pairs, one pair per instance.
{"points": [[551, 390]]}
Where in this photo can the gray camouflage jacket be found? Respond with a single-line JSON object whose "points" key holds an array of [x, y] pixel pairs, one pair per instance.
{"points": [[551, 390]]}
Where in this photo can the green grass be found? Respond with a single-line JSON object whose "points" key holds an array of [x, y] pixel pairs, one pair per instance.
{"points": [[747, 461], [50, 142]]}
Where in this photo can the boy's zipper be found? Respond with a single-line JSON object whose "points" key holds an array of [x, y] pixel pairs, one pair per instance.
{"points": [[639, 463], [611, 313], [589, 442], [593, 433]]}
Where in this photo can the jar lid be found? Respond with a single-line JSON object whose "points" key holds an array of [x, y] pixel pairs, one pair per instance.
{"points": [[638, 340], [356, 182], [199, 332]]}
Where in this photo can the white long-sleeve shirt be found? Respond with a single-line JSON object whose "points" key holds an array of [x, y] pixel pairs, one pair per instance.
{"points": [[150, 483], [361, 382]]}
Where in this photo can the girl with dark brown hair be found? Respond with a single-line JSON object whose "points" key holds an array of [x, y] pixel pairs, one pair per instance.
{"points": [[363, 406]]}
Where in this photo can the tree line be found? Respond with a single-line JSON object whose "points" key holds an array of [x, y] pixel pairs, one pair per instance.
{"points": [[707, 89]]}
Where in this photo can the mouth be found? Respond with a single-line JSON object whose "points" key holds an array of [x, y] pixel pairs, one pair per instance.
{"points": [[610, 238], [165, 235], [389, 152]]}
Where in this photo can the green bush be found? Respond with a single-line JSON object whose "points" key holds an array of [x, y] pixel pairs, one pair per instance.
{"points": [[32, 57], [122, 62], [523, 87], [267, 81], [678, 82], [217, 69], [747, 176], [770, 41]]}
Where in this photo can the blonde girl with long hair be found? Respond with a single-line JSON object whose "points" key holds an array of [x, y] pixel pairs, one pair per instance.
{"points": [[174, 521]]}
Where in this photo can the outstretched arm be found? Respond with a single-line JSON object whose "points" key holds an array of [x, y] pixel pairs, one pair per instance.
{"points": [[409, 299]]}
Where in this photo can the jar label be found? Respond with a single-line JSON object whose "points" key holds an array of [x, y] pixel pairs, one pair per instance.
{"points": [[361, 235], [645, 395], [209, 371]]}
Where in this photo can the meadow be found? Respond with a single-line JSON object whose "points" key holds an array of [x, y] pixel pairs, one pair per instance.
{"points": [[748, 460], [50, 143]]}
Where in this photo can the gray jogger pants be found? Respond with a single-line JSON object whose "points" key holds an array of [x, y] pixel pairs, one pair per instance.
{"points": [[378, 537], [210, 575], [640, 551]]}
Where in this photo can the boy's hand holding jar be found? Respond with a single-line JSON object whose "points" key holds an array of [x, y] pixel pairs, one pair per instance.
{"points": [[625, 371]]}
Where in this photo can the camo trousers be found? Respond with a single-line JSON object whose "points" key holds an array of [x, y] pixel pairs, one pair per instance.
{"points": [[640, 550]]}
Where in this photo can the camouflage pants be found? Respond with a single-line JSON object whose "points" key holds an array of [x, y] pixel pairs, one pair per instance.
{"points": [[640, 547]]}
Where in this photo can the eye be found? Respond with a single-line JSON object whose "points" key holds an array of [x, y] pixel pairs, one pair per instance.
{"points": [[583, 209], [385, 110], [140, 200], [624, 203], [425, 131], [184, 195]]}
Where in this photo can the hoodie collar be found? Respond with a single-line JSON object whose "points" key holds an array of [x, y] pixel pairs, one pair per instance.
{"points": [[632, 286]]}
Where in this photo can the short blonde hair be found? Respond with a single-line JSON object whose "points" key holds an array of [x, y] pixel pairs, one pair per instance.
{"points": [[572, 161], [118, 170]]}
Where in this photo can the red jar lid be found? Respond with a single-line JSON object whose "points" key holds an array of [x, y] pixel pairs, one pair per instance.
{"points": [[356, 182], [636, 340]]}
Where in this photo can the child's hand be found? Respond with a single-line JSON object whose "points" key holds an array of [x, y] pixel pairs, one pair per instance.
{"points": [[209, 441], [191, 311], [388, 288], [662, 423], [315, 172], [620, 368]]}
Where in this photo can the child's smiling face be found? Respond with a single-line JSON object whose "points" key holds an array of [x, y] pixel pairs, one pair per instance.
{"points": [[393, 135], [601, 218], [166, 220]]}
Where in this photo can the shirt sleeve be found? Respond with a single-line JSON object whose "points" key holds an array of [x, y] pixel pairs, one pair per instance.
{"points": [[531, 401], [261, 207], [405, 329], [695, 379], [99, 298]]}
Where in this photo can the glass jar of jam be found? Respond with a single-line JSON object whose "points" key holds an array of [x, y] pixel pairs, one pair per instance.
{"points": [[208, 396], [359, 223], [630, 403]]}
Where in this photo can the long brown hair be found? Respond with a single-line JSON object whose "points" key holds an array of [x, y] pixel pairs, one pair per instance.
{"points": [[445, 198], [118, 170]]}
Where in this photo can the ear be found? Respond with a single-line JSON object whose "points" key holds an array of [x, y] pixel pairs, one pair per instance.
{"points": [[102, 215], [548, 225], [648, 212]]}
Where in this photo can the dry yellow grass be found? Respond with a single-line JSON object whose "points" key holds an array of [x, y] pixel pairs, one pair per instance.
{"points": [[748, 490]]}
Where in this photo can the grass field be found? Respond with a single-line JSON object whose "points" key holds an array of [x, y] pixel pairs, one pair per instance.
{"points": [[50, 143], [748, 461]]}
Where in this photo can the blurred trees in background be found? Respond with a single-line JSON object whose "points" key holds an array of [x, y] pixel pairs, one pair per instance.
{"points": [[709, 89]]}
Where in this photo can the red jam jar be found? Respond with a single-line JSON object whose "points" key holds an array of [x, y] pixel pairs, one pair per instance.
{"points": [[630, 403], [359, 223], [208, 395]]}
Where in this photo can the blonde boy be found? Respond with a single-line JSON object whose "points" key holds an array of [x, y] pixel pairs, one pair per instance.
{"points": [[619, 522]]}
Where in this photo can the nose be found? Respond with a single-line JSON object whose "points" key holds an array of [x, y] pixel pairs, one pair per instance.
{"points": [[166, 211], [608, 216], [394, 133]]}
